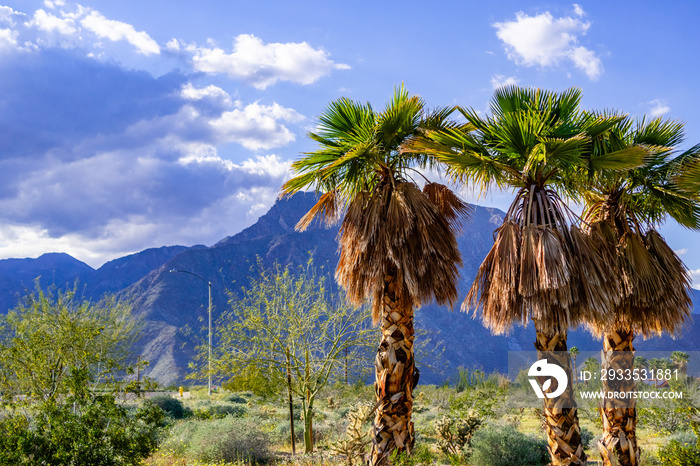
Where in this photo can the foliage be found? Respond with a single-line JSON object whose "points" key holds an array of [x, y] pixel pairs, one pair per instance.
{"points": [[171, 406], [505, 446], [288, 320], [421, 455], [676, 453], [52, 333], [480, 401], [662, 416], [227, 439], [94, 432]]}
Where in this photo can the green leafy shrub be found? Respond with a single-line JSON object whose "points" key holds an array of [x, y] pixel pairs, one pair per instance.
{"points": [[95, 432], [172, 406], [676, 454], [505, 446]]}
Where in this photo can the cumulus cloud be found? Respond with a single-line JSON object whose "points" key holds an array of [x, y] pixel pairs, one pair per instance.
{"points": [[543, 40], [118, 30], [256, 126], [262, 65], [51, 23], [658, 107], [499, 80]]}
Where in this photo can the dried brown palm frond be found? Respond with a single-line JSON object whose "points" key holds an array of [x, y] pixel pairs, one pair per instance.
{"points": [[448, 203], [541, 269], [654, 287], [326, 208], [396, 234]]}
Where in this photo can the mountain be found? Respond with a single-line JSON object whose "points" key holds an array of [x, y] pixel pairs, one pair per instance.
{"points": [[171, 302], [59, 269]]}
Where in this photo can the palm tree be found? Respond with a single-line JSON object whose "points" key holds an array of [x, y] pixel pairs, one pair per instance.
{"points": [[680, 361], [397, 243], [591, 365], [540, 268], [622, 209], [573, 351]]}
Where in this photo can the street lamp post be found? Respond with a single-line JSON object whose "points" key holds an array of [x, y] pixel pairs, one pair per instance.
{"points": [[209, 284]]}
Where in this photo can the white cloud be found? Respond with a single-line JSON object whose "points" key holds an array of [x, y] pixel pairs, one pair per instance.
{"points": [[50, 23], [256, 126], [695, 278], [8, 39], [658, 108], [53, 4], [499, 80], [545, 41], [578, 10], [117, 30], [262, 65], [7, 15], [189, 92], [681, 252]]}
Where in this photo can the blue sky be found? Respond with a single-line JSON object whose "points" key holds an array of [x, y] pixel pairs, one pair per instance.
{"points": [[127, 125]]}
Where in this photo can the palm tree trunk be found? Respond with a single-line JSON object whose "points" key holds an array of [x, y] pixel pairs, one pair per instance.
{"points": [[396, 377], [561, 413], [619, 443]]}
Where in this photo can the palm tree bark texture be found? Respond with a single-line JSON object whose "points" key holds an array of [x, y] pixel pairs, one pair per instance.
{"points": [[561, 413], [396, 377], [619, 443]]}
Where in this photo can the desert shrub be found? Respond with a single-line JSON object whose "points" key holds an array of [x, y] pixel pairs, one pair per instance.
{"points": [[662, 416], [283, 432], [172, 406], [675, 453], [587, 436], [683, 437], [227, 439], [236, 398], [220, 412], [505, 446]]}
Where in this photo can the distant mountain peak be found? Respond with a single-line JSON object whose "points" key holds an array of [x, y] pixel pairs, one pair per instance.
{"points": [[280, 219]]}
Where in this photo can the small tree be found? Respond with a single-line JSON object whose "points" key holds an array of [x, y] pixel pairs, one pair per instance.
{"points": [[53, 349], [289, 319], [51, 333]]}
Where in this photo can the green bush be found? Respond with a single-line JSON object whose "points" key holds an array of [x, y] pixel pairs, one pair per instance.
{"points": [[95, 432], [228, 439], [235, 398], [172, 406], [679, 454], [505, 446]]}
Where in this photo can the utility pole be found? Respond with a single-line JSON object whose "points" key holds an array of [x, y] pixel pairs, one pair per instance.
{"points": [[210, 344]]}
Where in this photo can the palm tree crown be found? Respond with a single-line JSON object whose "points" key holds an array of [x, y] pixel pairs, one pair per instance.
{"points": [[625, 207], [390, 226], [540, 267]]}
